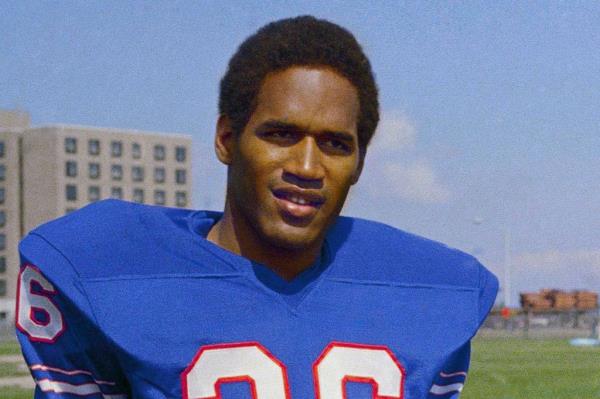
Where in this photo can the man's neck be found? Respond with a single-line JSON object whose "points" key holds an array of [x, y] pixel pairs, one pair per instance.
{"points": [[234, 234]]}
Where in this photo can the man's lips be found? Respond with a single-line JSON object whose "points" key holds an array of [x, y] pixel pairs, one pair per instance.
{"points": [[297, 202]]}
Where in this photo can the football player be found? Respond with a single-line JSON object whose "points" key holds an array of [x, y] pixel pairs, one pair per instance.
{"points": [[277, 297]]}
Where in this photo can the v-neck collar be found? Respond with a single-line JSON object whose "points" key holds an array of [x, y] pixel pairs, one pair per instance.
{"points": [[290, 293]]}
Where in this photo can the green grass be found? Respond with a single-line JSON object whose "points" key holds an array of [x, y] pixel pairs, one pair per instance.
{"points": [[504, 368], [9, 348], [15, 393]]}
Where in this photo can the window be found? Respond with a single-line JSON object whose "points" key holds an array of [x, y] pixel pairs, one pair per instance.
{"points": [[94, 147], [116, 192], [180, 176], [180, 154], [116, 172], [71, 145], [159, 152], [1, 195], [94, 170], [2, 172], [159, 197], [71, 168], [159, 175], [181, 198], [2, 241], [2, 218], [69, 210], [2, 264], [1, 149], [93, 193], [136, 151], [116, 148], [138, 195], [71, 192], [137, 173], [3, 288]]}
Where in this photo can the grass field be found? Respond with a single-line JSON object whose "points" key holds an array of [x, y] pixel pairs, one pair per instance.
{"points": [[501, 368]]}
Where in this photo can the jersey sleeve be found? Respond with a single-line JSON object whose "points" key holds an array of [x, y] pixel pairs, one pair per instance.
{"points": [[66, 352], [450, 380], [488, 289]]}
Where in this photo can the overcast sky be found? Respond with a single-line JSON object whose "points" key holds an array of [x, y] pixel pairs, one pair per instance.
{"points": [[490, 111]]}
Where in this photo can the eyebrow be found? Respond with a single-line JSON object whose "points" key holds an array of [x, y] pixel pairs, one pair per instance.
{"points": [[277, 124]]}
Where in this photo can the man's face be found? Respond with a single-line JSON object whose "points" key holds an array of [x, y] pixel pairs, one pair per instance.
{"points": [[292, 166]]}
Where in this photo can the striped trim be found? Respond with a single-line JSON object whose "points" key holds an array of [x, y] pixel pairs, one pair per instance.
{"points": [[444, 389], [43, 367], [47, 385], [463, 373]]}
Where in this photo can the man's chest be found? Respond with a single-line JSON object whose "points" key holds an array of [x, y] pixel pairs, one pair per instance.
{"points": [[230, 337]]}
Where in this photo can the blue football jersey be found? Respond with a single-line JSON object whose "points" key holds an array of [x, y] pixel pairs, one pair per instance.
{"points": [[122, 300]]}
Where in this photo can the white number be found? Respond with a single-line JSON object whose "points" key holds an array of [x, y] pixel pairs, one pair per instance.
{"points": [[251, 362], [340, 363], [29, 302]]}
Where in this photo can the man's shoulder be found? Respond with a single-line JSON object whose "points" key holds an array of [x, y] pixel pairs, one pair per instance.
{"points": [[376, 251], [104, 237]]}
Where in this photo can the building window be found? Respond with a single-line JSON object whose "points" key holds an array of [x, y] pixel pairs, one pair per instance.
{"points": [[159, 197], [94, 147], [1, 195], [1, 149], [137, 173], [180, 176], [181, 198], [3, 289], [71, 145], [2, 242], [69, 210], [159, 175], [159, 152], [2, 264], [138, 195], [2, 172], [136, 151], [2, 218], [116, 172], [93, 193], [180, 154], [116, 192], [71, 168], [94, 170], [71, 192], [116, 148]]}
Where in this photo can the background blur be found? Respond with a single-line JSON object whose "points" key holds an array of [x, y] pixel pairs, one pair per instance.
{"points": [[490, 131]]}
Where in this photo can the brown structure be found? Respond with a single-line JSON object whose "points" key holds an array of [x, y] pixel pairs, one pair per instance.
{"points": [[553, 299]]}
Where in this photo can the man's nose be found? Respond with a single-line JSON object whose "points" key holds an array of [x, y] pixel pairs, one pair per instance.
{"points": [[305, 163]]}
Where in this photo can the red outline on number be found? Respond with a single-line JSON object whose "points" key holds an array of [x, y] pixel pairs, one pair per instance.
{"points": [[244, 378], [350, 378], [44, 293], [33, 319]]}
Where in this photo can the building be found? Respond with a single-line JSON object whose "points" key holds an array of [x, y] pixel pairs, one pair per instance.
{"points": [[48, 171]]}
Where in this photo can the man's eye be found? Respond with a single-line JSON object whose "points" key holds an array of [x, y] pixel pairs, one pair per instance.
{"points": [[280, 135], [338, 146]]}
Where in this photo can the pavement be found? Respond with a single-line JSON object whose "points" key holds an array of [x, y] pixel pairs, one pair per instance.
{"points": [[25, 381]]}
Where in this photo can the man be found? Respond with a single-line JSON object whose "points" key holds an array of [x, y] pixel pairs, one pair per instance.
{"points": [[277, 297]]}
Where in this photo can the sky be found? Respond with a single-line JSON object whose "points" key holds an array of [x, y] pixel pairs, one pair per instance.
{"points": [[490, 133]]}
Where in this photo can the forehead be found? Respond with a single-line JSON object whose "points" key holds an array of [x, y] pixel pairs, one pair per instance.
{"points": [[313, 98]]}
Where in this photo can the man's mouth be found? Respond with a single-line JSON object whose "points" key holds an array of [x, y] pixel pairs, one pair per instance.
{"points": [[298, 203]]}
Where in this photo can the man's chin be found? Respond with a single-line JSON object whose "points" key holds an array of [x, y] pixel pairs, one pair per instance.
{"points": [[291, 237]]}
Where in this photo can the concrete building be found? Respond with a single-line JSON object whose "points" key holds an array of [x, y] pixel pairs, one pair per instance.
{"points": [[66, 167], [48, 171]]}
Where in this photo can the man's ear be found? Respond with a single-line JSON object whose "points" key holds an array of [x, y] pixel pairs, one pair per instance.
{"points": [[361, 162], [224, 140]]}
